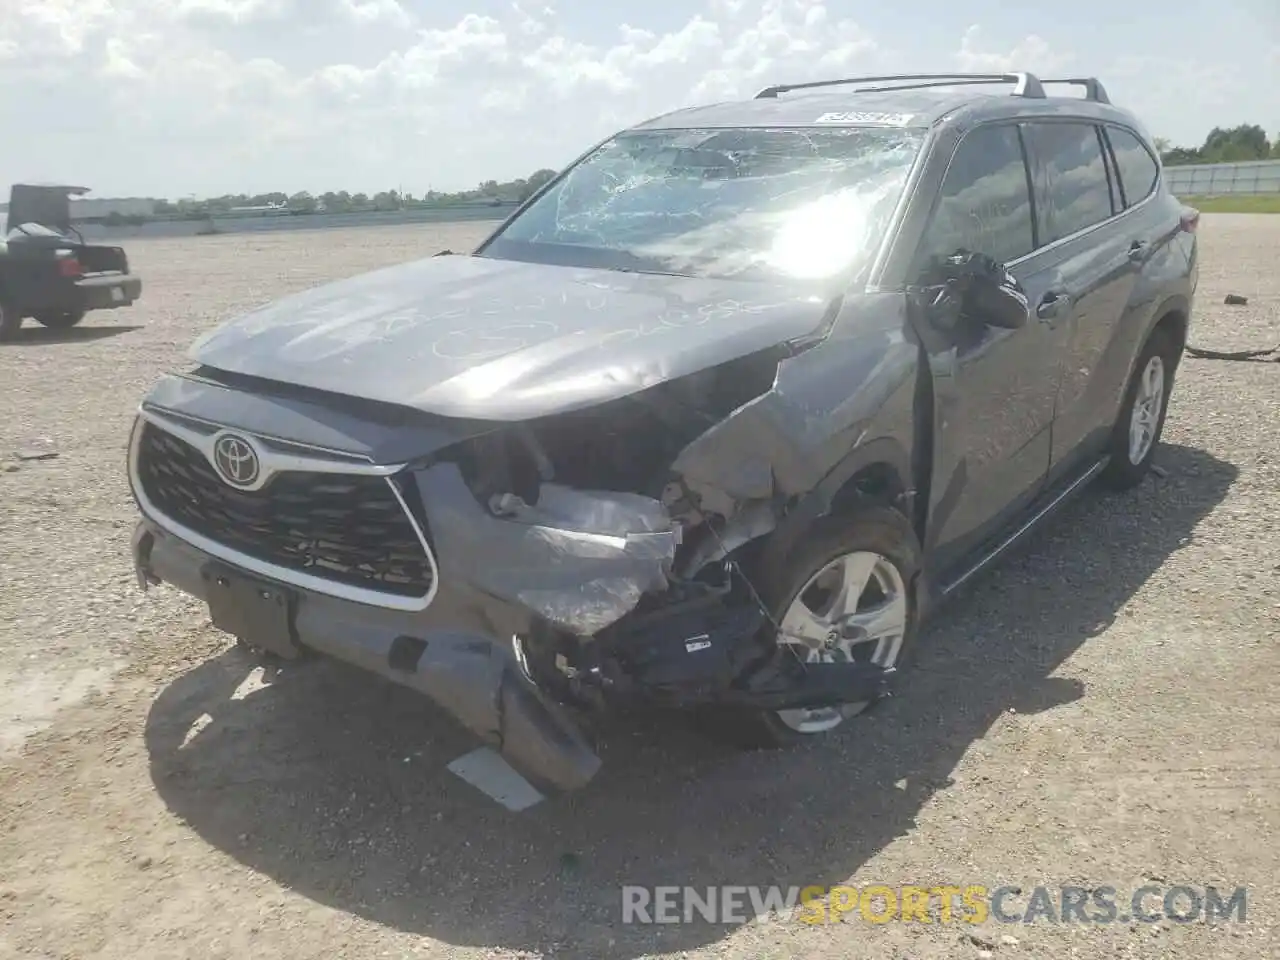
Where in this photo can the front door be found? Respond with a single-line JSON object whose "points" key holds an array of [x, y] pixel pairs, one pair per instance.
{"points": [[994, 389]]}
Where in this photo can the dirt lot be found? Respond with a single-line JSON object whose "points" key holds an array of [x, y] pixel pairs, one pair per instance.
{"points": [[1100, 710]]}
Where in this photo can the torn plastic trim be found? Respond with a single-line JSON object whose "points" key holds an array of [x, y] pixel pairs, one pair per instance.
{"points": [[611, 521], [484, 686], [708, 649], [751, 522], [579, 559]]}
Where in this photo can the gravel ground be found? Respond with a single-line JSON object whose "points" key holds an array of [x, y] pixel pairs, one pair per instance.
{"points": [[1099, 710]]}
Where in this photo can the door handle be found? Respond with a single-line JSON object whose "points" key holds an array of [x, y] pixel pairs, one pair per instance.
{"points": [[1138, 251], [1053, 306]]}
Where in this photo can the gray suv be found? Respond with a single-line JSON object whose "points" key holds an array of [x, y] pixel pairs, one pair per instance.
{"points": [[713, 421]]}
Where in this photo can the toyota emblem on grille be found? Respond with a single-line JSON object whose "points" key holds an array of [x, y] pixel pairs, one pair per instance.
{"points": [[235, 460]]}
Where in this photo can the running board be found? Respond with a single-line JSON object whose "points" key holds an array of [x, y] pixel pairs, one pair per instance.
{"points": [[1059, 500]]}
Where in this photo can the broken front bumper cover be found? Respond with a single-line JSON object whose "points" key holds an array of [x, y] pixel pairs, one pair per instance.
{"points": [[476, 679], [579, 561]]}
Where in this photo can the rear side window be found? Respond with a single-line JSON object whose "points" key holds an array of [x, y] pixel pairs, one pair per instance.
{"points": [[984, 205], [1078, 194], [1138, 170]]}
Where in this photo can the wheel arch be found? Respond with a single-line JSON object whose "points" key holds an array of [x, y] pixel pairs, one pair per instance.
{"points": [[879, 482], [1174, 317], [875, 472]]}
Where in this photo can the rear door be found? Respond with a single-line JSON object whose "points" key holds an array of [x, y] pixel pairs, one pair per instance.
{"points": [[1152, 228], [1090, 274], [994, 389]]}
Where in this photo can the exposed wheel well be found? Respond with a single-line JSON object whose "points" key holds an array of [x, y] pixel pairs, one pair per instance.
{"points": [[877, 483], [1174, 323], [881, 482]]}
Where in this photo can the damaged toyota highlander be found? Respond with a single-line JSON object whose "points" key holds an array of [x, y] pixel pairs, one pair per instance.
{"points": [[711, 422]]}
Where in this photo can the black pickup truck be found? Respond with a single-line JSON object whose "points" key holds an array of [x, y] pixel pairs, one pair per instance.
{"points": [[48, 272]]}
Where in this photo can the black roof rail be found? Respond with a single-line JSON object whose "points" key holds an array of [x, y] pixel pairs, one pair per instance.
{"points": [[1093, 88], [1025, 84]]}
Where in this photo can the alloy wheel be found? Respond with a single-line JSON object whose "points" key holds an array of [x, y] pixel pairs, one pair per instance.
{"points": [[1148, 405], [854, 608]]}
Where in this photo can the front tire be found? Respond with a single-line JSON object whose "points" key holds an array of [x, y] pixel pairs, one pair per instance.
{"points": [[860, 572], [59, 319], [1140, 424]]}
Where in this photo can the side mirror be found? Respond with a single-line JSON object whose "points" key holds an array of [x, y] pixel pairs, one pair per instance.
{"points": [[972, 287], [996, 303]]}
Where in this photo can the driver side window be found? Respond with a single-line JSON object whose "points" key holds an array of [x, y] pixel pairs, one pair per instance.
{"points": [[985, 204]]}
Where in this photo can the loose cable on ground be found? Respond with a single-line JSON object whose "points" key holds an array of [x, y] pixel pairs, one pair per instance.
{"points": [[1261, 356]]}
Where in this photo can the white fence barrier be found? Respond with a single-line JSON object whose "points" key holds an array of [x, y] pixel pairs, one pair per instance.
{"points": [[1214, 179]]}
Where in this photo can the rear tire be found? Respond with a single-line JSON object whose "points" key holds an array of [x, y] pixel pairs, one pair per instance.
{"points": [[880, 540], [1138, 428], [10, 321], [60, 319]]}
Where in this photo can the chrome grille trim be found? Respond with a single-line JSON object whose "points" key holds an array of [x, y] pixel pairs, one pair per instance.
{"points": [[274, 461]]}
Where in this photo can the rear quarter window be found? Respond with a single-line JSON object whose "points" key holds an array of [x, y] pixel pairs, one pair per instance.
{"points": [[1077, 194], [1137, 167]]}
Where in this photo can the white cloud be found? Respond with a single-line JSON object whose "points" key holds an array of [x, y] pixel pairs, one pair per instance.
{"points": [[228, 95], [1030, 53], [56, 29], [292, 12], [233, 11]]}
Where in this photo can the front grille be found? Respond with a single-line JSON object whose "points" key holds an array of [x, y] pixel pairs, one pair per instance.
{"points": [[345, 528]]}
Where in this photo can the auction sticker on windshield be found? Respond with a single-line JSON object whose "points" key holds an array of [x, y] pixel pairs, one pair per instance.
{"points": [[888, 119]]}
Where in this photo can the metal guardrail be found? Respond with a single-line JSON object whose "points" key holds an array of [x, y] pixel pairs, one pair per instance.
{"points": [[1216, 179]]}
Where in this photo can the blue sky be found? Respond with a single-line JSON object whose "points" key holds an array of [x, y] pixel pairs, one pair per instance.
{"points": [[181, 97]]}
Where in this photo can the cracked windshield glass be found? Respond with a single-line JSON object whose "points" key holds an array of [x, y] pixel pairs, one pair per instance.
{"points": [[745, 203]]}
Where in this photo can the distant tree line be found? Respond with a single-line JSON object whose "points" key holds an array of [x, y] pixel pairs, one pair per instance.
{"points": [[1223, 145], [341, 201], [117, 219]]}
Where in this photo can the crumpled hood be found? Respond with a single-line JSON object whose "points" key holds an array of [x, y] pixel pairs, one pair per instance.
{"points": [[503, 340]]}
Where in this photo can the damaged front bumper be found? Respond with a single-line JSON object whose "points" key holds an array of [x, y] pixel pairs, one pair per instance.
{"points": [[580, 560], [474, 677], [577, 561]]}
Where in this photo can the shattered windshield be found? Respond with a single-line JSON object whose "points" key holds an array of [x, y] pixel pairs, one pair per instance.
{"points": [[771, 203]]}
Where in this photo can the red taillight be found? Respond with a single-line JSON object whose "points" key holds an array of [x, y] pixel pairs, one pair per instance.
{"points": [[1190, 220], [70, 267]]}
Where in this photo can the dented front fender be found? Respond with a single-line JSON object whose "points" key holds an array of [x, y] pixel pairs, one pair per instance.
{"points": [[829, 413]]}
